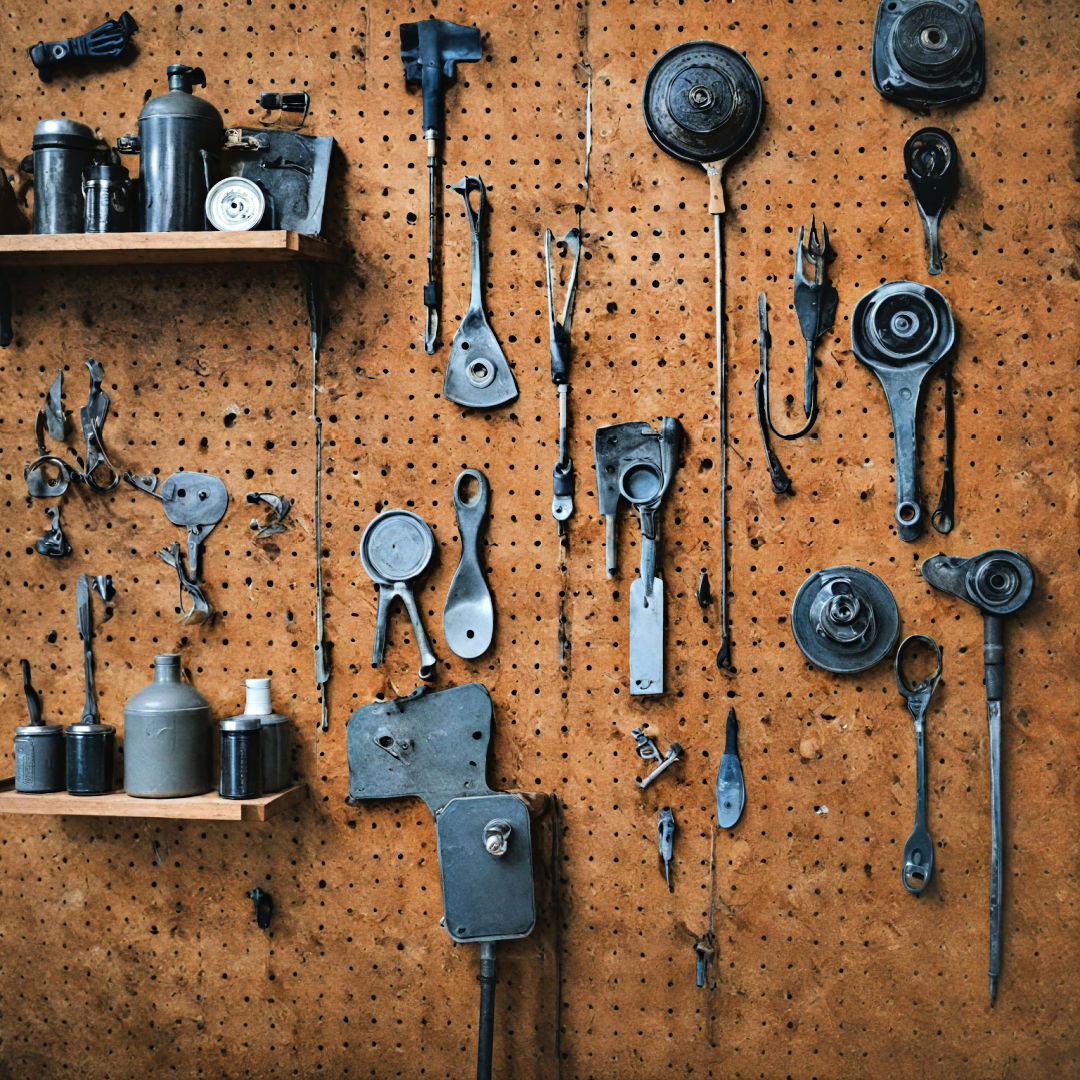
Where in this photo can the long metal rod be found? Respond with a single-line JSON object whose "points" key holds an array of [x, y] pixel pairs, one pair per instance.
{"points": [[993, 717], [431, 289], [486, 1029], [723, 654]]}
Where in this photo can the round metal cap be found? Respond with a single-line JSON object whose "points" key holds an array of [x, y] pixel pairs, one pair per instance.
{"points": [[61, 132], [702, 102], [901, 323], [241, 723], [235, 204], [844, 619], [396, 546], [1000, 582], [39, 729], [90, 729]]}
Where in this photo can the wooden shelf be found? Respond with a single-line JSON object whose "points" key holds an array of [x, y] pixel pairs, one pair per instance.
{"points": [[115, 249], [211, 807]]}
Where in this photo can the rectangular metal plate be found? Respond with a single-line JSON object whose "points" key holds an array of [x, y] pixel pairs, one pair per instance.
{"points": [[646, 638], [486, 897]]}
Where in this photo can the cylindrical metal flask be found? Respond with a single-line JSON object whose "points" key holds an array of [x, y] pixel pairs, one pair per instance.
{"points": [[39, 758], [91, 749], [62, 151], [179, 145], [275, 735], [167, 736], [241, 758], [108, 198]]}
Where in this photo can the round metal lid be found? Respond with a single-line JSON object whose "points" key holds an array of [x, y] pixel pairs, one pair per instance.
{"points": [[901, 323], [39, 729], [63, 132], [396, 546], [235, 204], [844, 619], [702, 102], [241, 723], [90, 729]]}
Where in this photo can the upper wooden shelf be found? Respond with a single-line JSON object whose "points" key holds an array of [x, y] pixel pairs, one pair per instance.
{"points": [[211, 807], [114, 249]]}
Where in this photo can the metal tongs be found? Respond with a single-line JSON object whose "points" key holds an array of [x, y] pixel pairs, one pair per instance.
{"points": [[919, 849], [562, 503]]}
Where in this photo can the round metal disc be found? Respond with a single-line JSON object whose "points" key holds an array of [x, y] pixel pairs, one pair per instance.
{"points": [[901, 323], [396, 546], [235, 204], [855, 655], [702, 102]]}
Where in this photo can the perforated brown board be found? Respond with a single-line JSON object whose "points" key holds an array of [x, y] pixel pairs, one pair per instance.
{"points": [[129, 948]]}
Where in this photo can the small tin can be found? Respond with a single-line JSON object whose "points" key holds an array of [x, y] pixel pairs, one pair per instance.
{"points": [[241, 758], [91, 749], [39, 758], [276, 742]]}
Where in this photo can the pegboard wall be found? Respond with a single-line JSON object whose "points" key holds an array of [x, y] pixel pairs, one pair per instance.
{"points": [[129, 948]]}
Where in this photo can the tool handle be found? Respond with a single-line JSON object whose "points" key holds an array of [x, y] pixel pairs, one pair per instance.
{"points": [[470, 514], [33, 701], [731, 742], [378, 642], [428, 660], [994, 656], [715, 171]]}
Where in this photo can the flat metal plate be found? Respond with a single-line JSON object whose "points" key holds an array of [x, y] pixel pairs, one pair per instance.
{"points": [[486, 897], [431, 744], [646, 638]]}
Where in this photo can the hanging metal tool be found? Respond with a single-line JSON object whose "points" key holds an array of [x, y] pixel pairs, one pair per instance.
{"points": [[919, 849], [665, 838], [435, 746], [92, 417], [730, 786], [932, 163], [196, 501], [637, 464], [703, 103], [469, 613], [429, 51], [109, 41], [396, 548], [279, 510], [477, 373], [559, 344], [901, 331], [998, 582], [102, 584], [815, 305], [648, 751]]}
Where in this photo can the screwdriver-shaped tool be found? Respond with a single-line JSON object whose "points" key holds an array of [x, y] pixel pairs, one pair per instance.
{"points": [[429, 51], [665, 836], [730, 787]]}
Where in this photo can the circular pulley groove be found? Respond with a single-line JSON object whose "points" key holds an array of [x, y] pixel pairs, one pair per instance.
{"points": [[702, 102]]}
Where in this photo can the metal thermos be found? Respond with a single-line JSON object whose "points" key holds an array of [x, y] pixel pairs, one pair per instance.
{"points": [[179, 146], [90, 752], [39, 758], [241, 758], [167, 737], [275, 735], [108, 195], [62, 151]]}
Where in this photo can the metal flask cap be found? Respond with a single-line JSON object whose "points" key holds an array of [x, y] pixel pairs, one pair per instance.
{"points": [[179, 102], [702, 102], [63, 133]]}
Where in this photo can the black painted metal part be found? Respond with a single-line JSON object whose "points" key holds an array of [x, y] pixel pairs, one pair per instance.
{"points": [[109, 41], [901, 331], [932, 163], [929, 52]]}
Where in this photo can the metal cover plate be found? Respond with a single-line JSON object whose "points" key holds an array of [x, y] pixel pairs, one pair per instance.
{"points": [[486, 897], [646, 638], [433, 745]]}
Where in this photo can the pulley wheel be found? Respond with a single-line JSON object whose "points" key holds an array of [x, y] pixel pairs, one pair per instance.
{"points": [[933, 41], [901, 323], [235, 204], [844, 619], [702, 102], [396, 546]]}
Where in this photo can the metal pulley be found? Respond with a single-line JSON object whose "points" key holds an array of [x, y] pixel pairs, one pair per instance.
{"points": [[703, 102], [844, 619]]}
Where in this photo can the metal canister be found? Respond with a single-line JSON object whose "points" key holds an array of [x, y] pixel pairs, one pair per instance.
{"points": [[241, 758], [62, 151], [275, 735], [107, 191], [39, 758], [167, 736], [179, 146], [91, 749]]}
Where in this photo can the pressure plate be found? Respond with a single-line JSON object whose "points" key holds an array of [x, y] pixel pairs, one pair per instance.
{"points": [[703, 102]]}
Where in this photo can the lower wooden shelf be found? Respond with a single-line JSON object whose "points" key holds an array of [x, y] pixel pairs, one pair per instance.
{"points": [[211, 807]]}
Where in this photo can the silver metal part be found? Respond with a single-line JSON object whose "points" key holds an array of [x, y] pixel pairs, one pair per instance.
{"points": [[646, 637], [396, 548], [730, 786], [675, 751], [235, 204], [477, 373], [469, 614]]}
